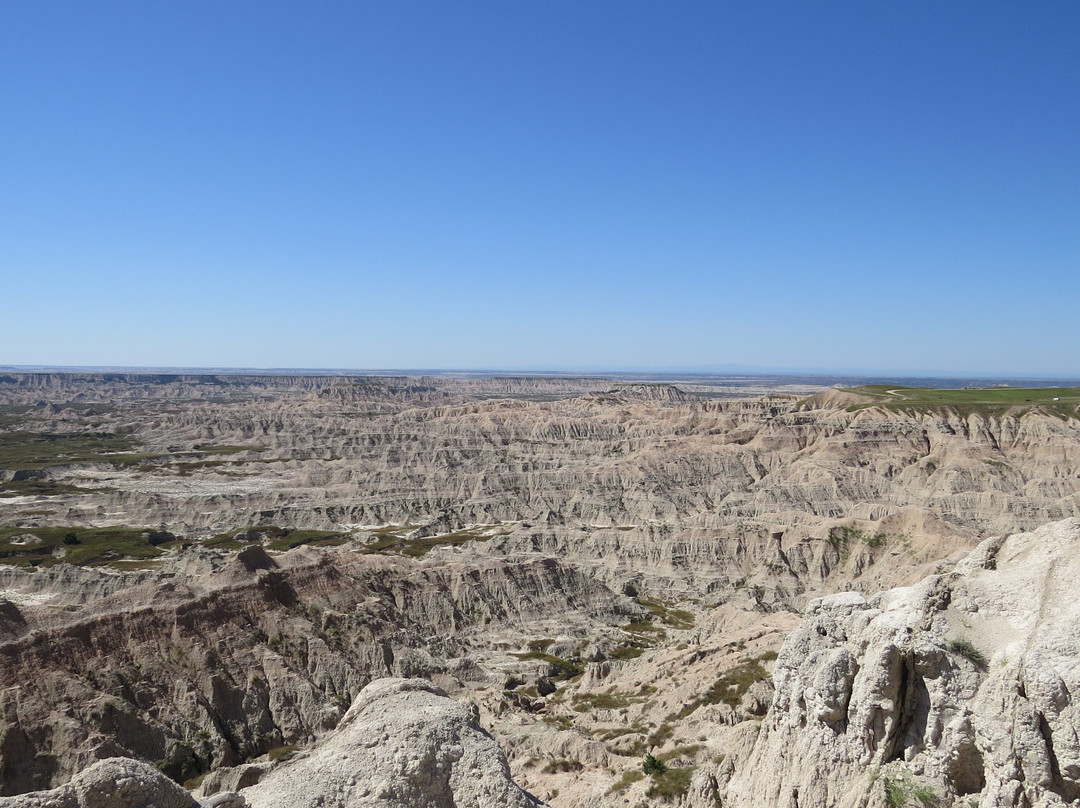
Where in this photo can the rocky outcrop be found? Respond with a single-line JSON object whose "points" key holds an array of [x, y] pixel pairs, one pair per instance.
{"points": [[217, 659], [959, 690], [402, 744], [110, 783]]}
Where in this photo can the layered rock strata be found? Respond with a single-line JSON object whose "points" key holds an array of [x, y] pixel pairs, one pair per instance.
{"points": [[959, 690], [238, 656]]}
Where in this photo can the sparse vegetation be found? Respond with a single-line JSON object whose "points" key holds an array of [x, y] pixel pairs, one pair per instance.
{"points": [[925, 795], [559, 668], [653, 766], [674, 618], [732, 686], [628, 779], [965, 648], [842, 537], [680, 751], [662, 734], [895, 793], [672, 783], [584, 702], [31, 451], [901, 792], [276, 538], [563, 765], [208, 448], [84, 546], [394, 539]]}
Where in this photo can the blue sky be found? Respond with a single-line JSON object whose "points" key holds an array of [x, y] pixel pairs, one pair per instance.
{"points": [[890, 186]]}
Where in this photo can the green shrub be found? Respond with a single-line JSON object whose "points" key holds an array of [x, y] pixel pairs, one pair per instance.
{"points": [[671, 783], [966, 649], [925, 795], [653, 766], [895, 793], [563, 765], [281, 752], [628, 779]]}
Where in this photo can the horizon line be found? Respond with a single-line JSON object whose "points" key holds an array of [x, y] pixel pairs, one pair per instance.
{"points": [[693, 370]]}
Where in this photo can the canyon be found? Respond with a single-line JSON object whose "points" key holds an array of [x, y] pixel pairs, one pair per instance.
{"points": [[742, 582]]}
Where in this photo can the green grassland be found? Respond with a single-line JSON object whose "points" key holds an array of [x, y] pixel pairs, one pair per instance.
{"points": [[1062, 402], [132, 548], [85, 546], [30, 451], [277, 538], [393, 539]]}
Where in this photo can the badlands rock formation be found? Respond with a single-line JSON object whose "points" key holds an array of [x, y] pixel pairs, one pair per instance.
{"points": [[605, 569], [111, 783], [960, 690], [402, 744], [216, 659]]}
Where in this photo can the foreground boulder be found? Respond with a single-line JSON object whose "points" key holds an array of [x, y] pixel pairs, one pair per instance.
{"points": [[962, 690], [110, 783], [404, 744]]}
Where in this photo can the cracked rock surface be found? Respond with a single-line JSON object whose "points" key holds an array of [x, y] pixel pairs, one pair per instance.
{"points": [[402, 744], [961, 689]]}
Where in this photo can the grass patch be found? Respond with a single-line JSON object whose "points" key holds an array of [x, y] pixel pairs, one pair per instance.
{"points": [[899, 793], [895, 793], [276, 538], [393, 540], [31, 451], [674, 618], [629, 651], [925, 796], [583, 702], [91, 547], [672, 783], [14, 414], [732, 686], [661, 736], [628, 779], [281, 753], [619, 732], [563, 765], [965, 648], [224, 448], [645, 630], [40, 488], [842, 537], [680, 751], [561, 668], [1062, 402]]}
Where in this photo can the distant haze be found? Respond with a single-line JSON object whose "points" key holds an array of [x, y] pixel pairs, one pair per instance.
{"points": [[833, 187]]}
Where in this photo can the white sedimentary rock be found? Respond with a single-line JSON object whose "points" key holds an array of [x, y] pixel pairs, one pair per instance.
{"points": [[111, 783], [402, 744], [961, 689]]}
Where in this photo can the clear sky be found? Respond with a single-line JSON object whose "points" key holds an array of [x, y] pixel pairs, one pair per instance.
{"points": [[541, 184]]}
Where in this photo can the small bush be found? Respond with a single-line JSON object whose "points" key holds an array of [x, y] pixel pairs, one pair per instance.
{"points": [[563, 765], [653, 766], [628, 779], [281, 752], [895, 793], [965, 648], [671, 783], [925, 795]]}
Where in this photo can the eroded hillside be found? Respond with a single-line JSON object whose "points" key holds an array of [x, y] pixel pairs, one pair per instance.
{"points": [[605, 569]]}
